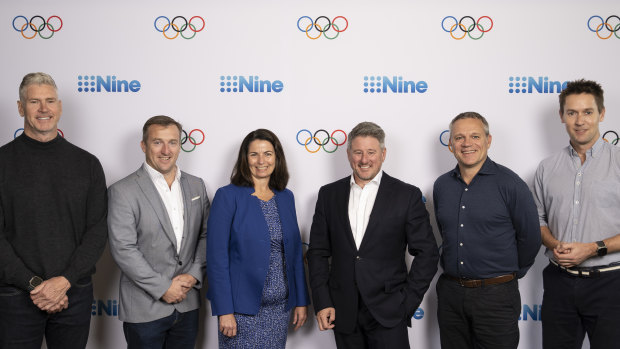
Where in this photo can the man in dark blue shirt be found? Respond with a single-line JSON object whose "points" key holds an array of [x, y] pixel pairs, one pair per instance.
{"points": [[489, 224]]}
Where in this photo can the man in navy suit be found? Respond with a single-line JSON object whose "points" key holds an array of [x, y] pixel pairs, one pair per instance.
{"points": [[362, 226]]}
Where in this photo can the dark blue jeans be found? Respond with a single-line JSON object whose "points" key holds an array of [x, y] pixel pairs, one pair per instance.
{"points": [[178, 330], [23, 325], [482, 317], [574, 306]]}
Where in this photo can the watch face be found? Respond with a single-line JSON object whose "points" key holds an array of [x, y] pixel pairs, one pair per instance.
{"points": [[35, 281]]}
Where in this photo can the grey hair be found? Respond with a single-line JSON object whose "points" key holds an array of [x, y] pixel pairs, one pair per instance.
{"points": [[471, 115], [34, 78], [367, 129]]}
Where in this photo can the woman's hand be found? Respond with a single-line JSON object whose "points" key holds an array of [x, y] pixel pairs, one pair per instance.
{"points": [[299, 316], [228, 325]]}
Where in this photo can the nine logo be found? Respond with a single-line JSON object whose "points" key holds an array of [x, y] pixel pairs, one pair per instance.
{"points": [[395, 84], [475, 29], [104, 308], [310, 26], [613, 139], [176, 30], [38, 25], [603, 27], [328, 141], [523, 84], [95, 83], [191, 140], [237, 83], [20, 130]]}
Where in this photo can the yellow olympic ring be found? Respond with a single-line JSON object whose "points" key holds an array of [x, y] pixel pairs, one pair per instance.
{"points": [[308, 35], [462, 28], [308, 142], [173, 26], [598, 28]]}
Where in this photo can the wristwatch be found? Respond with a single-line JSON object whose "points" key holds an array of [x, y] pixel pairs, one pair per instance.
{"points": [[34, 282], [601, 248]]}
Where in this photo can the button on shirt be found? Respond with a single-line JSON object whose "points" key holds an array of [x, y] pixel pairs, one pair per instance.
{"points": [[581, 202], [489, 227], [361, 202], [173, 199]]}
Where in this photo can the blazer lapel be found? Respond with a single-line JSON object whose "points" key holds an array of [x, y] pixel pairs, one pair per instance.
{"points": [[152, 196], [343, 204], [378, 209], [187, 207]]}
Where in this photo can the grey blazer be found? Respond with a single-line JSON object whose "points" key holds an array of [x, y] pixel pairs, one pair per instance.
{"points": [[143, 244]]}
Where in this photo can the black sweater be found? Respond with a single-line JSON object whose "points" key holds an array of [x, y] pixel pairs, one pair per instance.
{"points": [[53, 210]]}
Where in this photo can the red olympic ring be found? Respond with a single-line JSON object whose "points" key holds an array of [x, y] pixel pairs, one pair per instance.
{"points": [[191, 140], [479, 26], [48, 23], [332, 138], [196, 30], [345, 28]]}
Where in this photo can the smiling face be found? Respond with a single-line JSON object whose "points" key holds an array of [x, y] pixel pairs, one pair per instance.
{"points": [[470, 143], [582, 117], [41, 110], [366, 158], [261, 159], [162, 148]]}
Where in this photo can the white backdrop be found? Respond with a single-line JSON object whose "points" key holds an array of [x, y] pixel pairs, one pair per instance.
{"points": [[321, 86]]}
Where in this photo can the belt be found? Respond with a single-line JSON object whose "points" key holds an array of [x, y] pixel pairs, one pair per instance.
{"points": [[586, 272], [482, 282]]}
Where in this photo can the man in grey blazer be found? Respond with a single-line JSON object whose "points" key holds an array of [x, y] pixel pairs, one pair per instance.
{"points": [[157, 228]]}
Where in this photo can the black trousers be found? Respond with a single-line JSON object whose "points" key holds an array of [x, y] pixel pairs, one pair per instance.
{"points": [[574, 306], [370, 334], [23, 325], [482, 317]]}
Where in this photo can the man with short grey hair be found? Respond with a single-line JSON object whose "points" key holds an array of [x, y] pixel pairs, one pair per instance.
{"points": [[361, 228], [52, 227]]}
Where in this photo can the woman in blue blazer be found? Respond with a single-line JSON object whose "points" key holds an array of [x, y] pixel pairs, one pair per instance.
{"points": [[255, 263]]}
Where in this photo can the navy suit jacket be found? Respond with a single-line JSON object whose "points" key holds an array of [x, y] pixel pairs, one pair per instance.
{"points": [[238, 249], [377, 271]]}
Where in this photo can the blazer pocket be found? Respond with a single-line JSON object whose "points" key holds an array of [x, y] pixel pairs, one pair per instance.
{"points": [[392, 286]]}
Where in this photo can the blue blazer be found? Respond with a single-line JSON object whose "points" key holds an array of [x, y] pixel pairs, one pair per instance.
{"points": [[238, 249]]}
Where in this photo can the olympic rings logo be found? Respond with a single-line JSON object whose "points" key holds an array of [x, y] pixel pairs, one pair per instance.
{"points": [[446, 143], [188, 138], [613, 141], [328, 141], [37, 25], [17, 132], [176, 30], [483, 25], [322, 28], [613, 29]]}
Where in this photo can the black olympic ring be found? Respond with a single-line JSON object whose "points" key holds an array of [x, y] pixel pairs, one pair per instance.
{"points": [[180, 30], [37, 28], [192, 140], [613, 141], [321, 144], [322, 29]]}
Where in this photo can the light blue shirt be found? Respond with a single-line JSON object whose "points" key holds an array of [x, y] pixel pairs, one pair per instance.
{"points": [[581, 202]]}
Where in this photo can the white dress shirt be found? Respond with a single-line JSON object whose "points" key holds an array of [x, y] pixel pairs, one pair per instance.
{"points": [[361, 201], [173, 199]]}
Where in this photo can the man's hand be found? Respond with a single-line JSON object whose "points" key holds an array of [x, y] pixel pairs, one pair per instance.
{"points": [[228, 325], [51, 294], [325, 318], [186, 278], [570, 254], [177, 291], [299, 317]]}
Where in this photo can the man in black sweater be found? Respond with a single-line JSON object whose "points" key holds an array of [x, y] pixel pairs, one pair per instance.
{"points": [[52, 227]]}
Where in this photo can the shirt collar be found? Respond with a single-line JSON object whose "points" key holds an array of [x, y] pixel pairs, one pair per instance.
{"points": [[488, 167], [157, 176], [594, 151], [376, 180]]}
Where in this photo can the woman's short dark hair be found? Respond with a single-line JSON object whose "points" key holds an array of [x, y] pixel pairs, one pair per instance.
{"points": [[241, 174]]}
